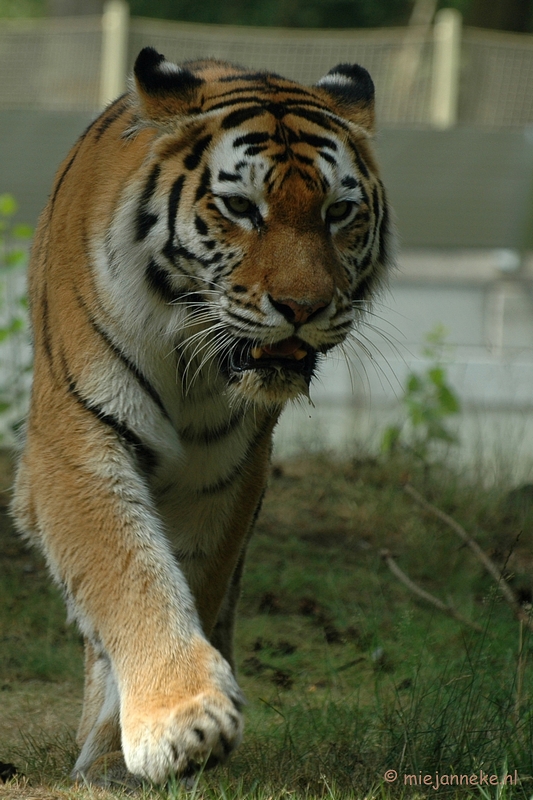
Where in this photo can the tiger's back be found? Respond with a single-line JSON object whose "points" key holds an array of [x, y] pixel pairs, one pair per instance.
{"points": [[208, 239]]}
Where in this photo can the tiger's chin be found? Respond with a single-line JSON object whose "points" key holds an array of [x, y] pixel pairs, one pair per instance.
{"points": [[270, 375]]}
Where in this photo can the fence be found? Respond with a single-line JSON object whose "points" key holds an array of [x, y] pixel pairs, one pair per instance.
{"points": [[423, 79]]}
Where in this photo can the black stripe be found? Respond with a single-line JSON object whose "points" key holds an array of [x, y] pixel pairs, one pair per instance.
{"points": [[349, 182], [317, 117], [251, 138], [159, 281], [200, 226], [364, 242], [146, 457], [316, 141], [237, 471], [264, 84], [244, 319], [46, 327], [305, 159], [203, 186], [384, 229], [236, 118], [260, 77], [364, 288], [309, 180], [63, 176], [145, 219], [210, 435], [329, 158], [173, 203], [360, 163], [365, 261], [215, 258], [324, 183], [117, 351], [266, 179], [190, 256], [249, 94], [228, 176], [193, 159], [376, 205], [112, 113], [254, 150]]}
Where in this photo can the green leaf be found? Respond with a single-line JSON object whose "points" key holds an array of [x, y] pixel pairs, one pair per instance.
{"points": [[414, 383], [14, 257], [417, 415], [8, 205], [448, 401], [16, 325], [22, 231], [390, 438], [436, 375]]}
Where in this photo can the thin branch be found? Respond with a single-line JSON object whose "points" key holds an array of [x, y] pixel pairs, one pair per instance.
{"points": [[508, 594], [387, 556]]}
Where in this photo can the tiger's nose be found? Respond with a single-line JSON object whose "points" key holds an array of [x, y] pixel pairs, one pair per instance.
{"points": [[296, 312]]}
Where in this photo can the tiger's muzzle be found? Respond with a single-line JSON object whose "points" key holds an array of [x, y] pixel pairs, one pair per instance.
{"points": [[290, 355]]}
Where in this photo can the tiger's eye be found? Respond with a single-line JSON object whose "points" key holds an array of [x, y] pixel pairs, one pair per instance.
{"points": [[339, 211], [238, 204]]}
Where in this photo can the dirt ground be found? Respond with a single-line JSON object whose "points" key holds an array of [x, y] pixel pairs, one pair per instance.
{"points": [[32, 710]]}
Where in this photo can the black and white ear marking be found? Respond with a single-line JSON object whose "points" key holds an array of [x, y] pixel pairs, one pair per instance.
{"points": [[353, 88], [156, 76], [350, 81]]}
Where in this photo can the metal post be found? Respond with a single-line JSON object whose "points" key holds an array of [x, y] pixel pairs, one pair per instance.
{"points": [[446, 68], [115, 21]]}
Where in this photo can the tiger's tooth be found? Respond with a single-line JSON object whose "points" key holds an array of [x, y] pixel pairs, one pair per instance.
{"points": [[256, 352], [299, 354]]}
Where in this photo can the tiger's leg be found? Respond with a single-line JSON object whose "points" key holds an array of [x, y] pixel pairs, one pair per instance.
{"points": [[177, 700], [223, 632], [217, 609], [93, 691], [99, 728]]}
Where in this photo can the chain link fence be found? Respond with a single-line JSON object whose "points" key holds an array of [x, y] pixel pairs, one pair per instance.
{"points": [[56, 64]]}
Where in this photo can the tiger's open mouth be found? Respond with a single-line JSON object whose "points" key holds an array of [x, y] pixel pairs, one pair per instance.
{"points": [[289, 354]]}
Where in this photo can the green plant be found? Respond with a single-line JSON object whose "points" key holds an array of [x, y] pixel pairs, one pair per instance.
{"points": [[429, 401], [15, 359]]}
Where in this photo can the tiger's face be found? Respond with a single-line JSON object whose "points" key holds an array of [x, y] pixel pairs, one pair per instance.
{"points": [[277, 229]]}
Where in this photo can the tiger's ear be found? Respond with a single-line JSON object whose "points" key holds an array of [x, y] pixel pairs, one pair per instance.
{"points": [[352, 88], [165, 90]]}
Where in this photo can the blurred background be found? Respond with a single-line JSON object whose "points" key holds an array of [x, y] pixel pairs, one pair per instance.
{"points": [[452, 338]]}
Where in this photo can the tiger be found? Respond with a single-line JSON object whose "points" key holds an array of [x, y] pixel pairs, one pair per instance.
{"points": [[211, 236]]}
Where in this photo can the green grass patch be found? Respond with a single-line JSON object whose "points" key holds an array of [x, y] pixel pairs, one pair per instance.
{"points": [[348, 675]]}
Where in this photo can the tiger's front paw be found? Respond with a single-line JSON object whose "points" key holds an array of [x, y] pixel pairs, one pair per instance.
{"points": [[177, 734]]}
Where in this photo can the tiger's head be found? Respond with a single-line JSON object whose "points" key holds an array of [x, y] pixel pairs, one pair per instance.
{"points": [[264, 215]]}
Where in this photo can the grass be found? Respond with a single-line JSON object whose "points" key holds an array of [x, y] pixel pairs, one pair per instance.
{"points": [[347, 674]]}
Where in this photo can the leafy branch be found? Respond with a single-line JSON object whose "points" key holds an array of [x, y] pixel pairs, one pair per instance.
{"points": [[429, 402]]}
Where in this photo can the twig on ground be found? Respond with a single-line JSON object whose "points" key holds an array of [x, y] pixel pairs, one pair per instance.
{"points": [[387, 556], [508, 594]]}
